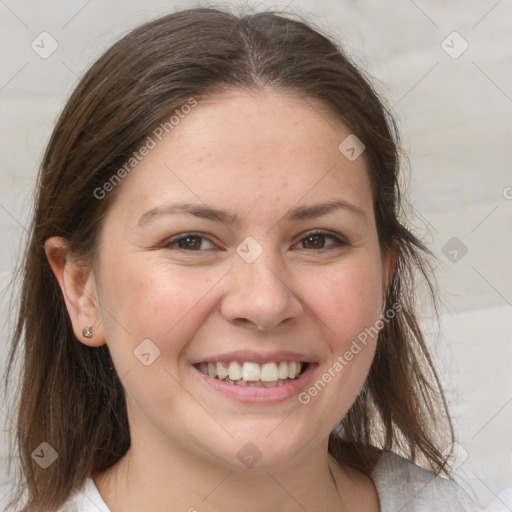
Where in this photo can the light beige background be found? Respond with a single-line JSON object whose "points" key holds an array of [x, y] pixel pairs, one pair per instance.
{"points": [[455, 118]]}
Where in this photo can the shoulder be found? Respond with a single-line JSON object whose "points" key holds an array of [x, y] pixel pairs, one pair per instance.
{"points": [[87, 499], [402, 485]]}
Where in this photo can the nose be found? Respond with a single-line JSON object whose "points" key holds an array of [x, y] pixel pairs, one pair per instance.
{"points": [[258, 294]]}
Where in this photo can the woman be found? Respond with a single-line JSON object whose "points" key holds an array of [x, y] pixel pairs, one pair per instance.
{"points": [[217, 306]]}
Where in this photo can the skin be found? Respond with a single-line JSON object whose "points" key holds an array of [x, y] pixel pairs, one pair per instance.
{"points": [[258, 155]]}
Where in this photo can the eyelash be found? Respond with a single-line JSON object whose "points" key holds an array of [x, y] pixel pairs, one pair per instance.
{"points": [[339, 241]]}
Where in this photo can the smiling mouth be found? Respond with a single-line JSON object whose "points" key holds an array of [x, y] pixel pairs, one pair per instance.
{"points": [[251, 374]]}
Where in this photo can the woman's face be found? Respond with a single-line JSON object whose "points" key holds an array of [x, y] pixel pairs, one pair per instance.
{"points": [[276, 280]]}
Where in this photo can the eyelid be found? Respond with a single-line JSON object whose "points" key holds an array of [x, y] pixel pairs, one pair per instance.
{"points": [[339, 239], [173, 239]]}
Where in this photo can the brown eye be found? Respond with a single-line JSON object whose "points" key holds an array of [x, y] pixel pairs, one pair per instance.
{"points": [[187, 242], [317, 241], [190, 242], [314, 242]]}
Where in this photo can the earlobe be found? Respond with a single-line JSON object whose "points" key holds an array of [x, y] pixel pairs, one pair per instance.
{"points": [[79, 290]]}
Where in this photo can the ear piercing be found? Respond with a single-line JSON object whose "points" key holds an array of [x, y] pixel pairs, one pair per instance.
{"points": [[87, 332]]}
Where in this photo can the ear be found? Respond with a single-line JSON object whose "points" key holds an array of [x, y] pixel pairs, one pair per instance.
{"points": [[389, 264], [78, 285]]}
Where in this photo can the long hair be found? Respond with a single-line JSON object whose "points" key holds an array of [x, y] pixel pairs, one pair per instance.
{"points": [[70, 395]]}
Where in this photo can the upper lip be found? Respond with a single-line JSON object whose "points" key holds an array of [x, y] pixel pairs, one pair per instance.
{"points": [[256, 357]]}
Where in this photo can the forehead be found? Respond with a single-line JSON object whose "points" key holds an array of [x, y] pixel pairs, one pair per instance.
{"points": [[243, 146]]}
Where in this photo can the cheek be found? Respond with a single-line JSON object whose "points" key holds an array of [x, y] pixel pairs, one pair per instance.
{"points": [[349, 302], [349, 305], [148, 299]]}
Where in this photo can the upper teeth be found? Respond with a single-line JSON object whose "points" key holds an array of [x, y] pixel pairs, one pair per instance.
{"points": [[248, 371]]}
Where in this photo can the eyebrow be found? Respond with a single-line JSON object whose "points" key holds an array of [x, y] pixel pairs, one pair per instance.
{"points": [[203, 211]]}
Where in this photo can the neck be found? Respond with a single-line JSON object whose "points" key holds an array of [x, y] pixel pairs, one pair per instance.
{"points": [[149, 478], [160, 473]]}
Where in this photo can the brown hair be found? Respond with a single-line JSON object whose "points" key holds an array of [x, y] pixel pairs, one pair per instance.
{"points": [[71, 395]]}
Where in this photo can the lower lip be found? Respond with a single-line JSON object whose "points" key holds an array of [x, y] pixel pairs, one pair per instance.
{"points": [[260, 394]]}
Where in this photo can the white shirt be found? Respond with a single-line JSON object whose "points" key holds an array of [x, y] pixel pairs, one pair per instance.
{"points": [[401, 486]]}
